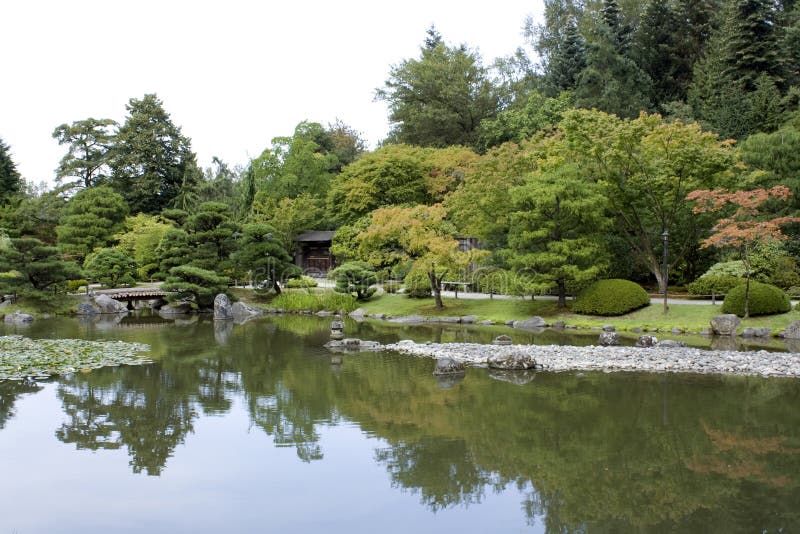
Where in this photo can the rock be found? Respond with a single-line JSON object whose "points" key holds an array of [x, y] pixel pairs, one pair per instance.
{"points": [[792, 330], [636, 330], [360, 312], [725, 324], [222, 308], [352, 345], [447, 320], [179, 308], [106, 304], [502, 340], [756, 332], [486, 322], [609, 328], [676, 330], [558, 325], [534, 323], [509, 323], [646, 341], [242, 312], [324, 313], [670, 344], [380, 316], [87, 308], [468, 319], [512, 362], [446, 366], [4, 303], [18, 318], [408, 319], [608, 338]]}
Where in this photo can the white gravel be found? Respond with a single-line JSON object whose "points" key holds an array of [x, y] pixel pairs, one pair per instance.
{"points": [[612, 359]]}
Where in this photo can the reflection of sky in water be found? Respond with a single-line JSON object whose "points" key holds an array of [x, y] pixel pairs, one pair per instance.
{"points": [[227, 477]]}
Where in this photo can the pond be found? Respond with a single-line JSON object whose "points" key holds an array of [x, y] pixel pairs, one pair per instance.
{"points": [[251, 428]]}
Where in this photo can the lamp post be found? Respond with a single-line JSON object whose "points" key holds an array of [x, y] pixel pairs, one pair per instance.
{"points": [[665, 235]]}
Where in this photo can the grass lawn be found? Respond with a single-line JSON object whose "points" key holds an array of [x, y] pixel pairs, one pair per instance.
{"points": [[689, 317]]}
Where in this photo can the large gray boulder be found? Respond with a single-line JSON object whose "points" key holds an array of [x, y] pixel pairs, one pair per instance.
{"points": [[515, 361], [646, 341], [87, 308], [446, 366], [244, 312], [106, 304], [534, 323], [408, 319], [792, 331], [222, 308], [18, 318], [725, 324], [608, 339]]}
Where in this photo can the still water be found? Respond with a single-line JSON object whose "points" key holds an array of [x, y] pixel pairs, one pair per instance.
{"points": [[250, 428]]}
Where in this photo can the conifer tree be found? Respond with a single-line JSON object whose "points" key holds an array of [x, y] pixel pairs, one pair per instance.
{"points": [[10, 179]]}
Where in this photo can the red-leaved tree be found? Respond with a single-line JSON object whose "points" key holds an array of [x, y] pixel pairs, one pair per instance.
{"points": [[745, 227]]}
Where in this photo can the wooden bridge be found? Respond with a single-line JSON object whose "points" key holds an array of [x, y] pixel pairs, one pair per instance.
{"points": [[131, 294]]}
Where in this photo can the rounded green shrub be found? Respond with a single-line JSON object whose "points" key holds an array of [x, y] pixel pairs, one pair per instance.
{"points": [[76, 285], [417, 284], [716, 284], [392, 287], [765, 299], [304, 282], [611, 297]]}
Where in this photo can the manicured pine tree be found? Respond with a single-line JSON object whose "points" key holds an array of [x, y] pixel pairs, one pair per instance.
{"points": [[10, 179]]}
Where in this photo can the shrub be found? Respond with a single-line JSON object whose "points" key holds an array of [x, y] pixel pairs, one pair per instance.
{"points": [[718, 284], [726, 268], [417, 284], [75, 285], [111, 267], [611, 297], [355, 277], [314, 303], [392, 287], [303, 282], [765, 299], [200, 284]]}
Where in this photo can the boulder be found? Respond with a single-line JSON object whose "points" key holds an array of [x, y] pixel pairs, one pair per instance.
{"points": [[468, 319], [486, 322], [646, 341], [502, 340], [222, 308], [446, 366], [324, 313], [515, 361], [242, 312], [756, 332], [18, 318], [725, 324], [558, 325], [792, 331], [87, 308], [608, 339], [360, 312], [352, 345], [106, 304], [444, 320], [609, 328], [534, 323]]}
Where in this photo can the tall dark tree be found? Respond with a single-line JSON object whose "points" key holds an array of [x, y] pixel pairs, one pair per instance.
{"points": [[90, 220], [440, 98], [89, 145], [153, 165], [10, 179], [559, 44]]}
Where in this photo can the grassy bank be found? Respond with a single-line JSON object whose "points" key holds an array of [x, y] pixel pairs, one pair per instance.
{"points": [[688, 317]]}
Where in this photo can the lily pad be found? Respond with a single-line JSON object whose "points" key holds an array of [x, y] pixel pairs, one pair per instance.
{"points": [[21, 357]]}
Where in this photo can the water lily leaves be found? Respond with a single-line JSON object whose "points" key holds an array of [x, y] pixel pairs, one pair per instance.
{"points": [[22, 357]]}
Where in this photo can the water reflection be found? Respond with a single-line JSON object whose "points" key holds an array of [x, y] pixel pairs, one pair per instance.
{"points": [[592, 452]]}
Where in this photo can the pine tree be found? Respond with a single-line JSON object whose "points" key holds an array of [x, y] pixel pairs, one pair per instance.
{"points": [[10, 179]]}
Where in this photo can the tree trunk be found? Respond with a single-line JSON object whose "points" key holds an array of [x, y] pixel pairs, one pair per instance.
{"points": [[562, 294], [436, 287], [276, 286]]}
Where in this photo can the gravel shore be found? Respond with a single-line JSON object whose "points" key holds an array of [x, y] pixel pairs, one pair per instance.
{"points": [[612, 359]]}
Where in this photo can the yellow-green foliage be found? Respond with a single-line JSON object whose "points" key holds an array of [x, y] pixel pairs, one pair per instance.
{"points": [[296, 301], [765, 299], [611, 297]]}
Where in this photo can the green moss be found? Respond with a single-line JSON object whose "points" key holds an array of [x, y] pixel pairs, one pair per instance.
{"points": [[765, 299], [611, 297]]}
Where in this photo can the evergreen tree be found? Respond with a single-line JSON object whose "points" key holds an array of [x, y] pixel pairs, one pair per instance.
{"points": [[153, 166], [91, 219], [567, 63], [262, 254], [37, 267], [111, 267], [753, 41], [10, 179], [211, 232], [89, 146]]}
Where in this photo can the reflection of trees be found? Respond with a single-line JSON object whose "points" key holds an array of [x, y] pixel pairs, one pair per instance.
{"points": [[597, 453], [10, 391]]}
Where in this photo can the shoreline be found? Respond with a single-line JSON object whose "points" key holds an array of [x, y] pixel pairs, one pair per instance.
{"points": [[560, 358]]}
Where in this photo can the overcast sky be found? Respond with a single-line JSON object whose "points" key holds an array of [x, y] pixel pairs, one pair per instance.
{"points": [[233, 74]]}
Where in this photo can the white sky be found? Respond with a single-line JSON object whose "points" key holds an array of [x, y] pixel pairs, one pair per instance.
{"points": [[232, 73]]}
